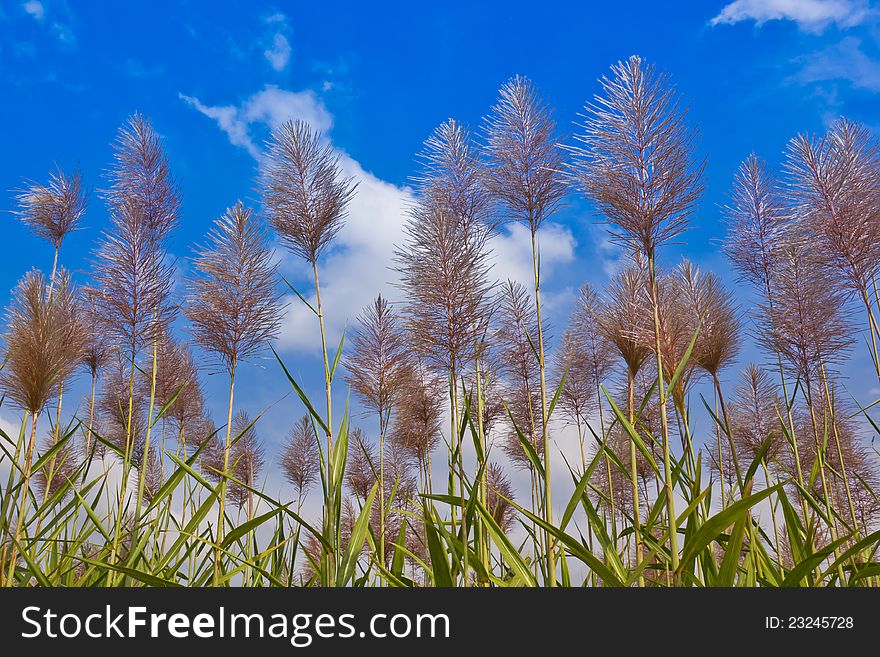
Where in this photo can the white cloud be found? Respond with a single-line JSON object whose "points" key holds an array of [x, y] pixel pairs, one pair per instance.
{"points": [[270, 107], [277, 47], [278, 54], [842, 61], [59, 28], [810, 15], [35, 8]]}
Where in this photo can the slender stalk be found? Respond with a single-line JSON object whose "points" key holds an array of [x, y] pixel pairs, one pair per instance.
{"points": [[830, 406], [720, 453], [327, 378], [54, 271], [820, 455], [545, 430], [664, 428], [123, 485], [482, 532], [727, 429], [383, 427], [221, 515], [634, 473], [145, 459]]}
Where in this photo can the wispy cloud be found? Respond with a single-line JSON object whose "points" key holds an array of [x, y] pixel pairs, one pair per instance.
{"points": [[278, 52], [810, 15], [55, 17], [36, 9], [846, 61], [269, 107]]}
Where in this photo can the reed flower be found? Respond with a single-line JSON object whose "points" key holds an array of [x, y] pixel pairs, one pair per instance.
{"points": [[246, 462], [444, 275], [233, 305], [755, 412], [177, 388], [715, 313], [363, 464], [141, 184], [44, 340], [835, 189], [54, 210], [634, 157], [516, 329], [299, 458], [757, 220], [807, 323], [377, 357], [304, 194], [622, 316], [416, 426], [52, 476], [44, 343], [97, 349], [584, 356], [375, 366], [578, 397], [677, 327], [499, 495], [306, 197], [454, 176], [124, 410], [635, 160], [524, 160], [134, 281]]}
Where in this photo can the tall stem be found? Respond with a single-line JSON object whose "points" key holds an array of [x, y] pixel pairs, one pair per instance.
{"points": [[459, 466], [54, 271], [382, 430], [664, 428], [482, 531], [221, 515], [126, 464], [820, 455], [727, 429], [545, 429], [768, 291], [830, 405], [634, 473], [327, 379], [330, 505], [145, 459]]}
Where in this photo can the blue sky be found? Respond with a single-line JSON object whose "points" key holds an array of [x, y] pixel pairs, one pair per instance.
{"points": [[377, 78]]}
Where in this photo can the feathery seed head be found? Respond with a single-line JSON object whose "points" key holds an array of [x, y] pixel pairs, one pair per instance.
{"points": [[305, 195], [54, 210], [233, 304]]}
